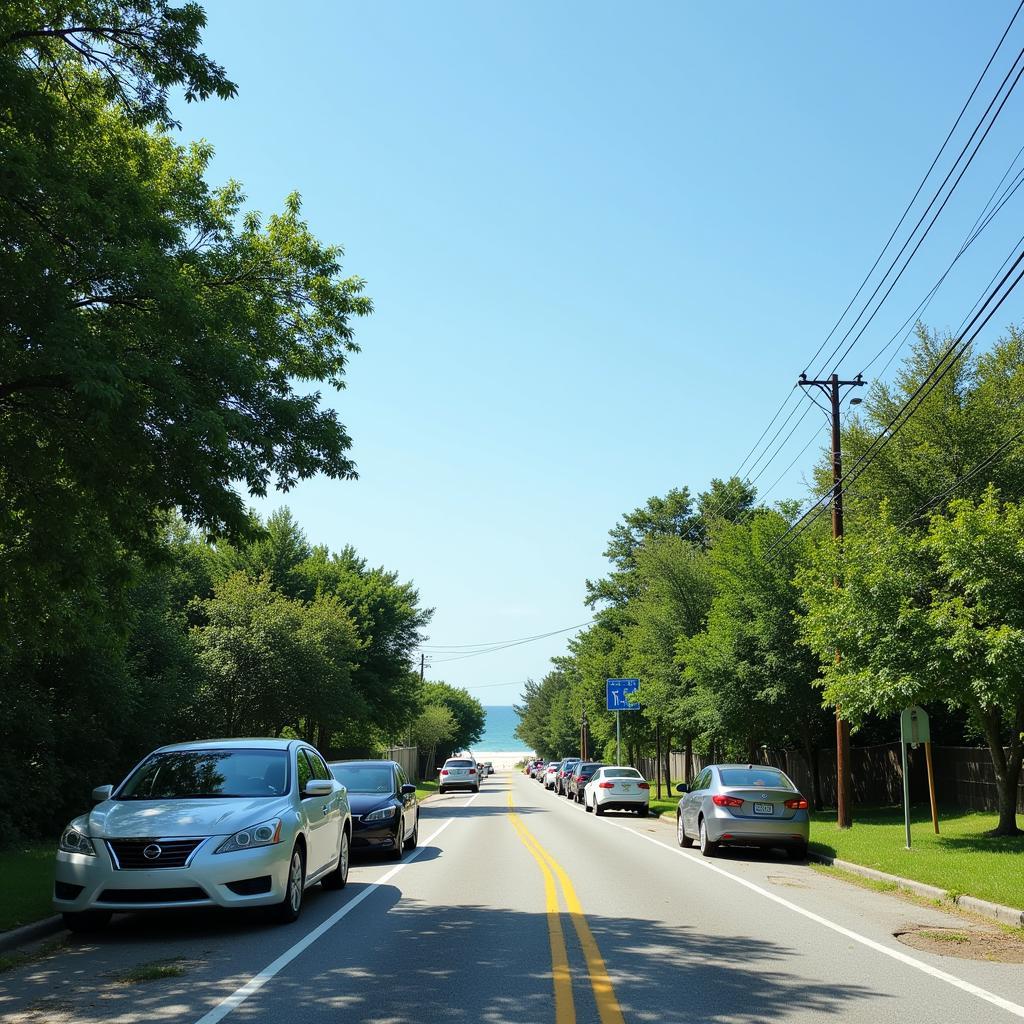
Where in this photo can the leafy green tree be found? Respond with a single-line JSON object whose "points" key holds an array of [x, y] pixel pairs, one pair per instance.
{"points": [[755, 683], [467, 711], [933, 617], [434, 727], [159, 341]]}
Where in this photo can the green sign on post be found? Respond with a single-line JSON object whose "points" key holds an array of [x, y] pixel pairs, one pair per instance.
{"points": [[913, 730]]}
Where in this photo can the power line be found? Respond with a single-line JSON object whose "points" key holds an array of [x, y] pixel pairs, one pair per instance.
{"points": [[913, 199], [987, 461], [506, 646], [943, 365], [496, 643], [931, 223]]}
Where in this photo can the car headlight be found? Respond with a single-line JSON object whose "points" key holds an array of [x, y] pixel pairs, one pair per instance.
{"points": [[266, 833], [381, 814], [73, 841]]}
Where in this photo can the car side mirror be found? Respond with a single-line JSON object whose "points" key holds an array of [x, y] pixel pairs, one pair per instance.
{"points": [[319, 787], [101, 793], [682, 788], [407, 789]]}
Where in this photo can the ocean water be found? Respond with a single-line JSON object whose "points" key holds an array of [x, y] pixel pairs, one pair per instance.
{"points": [[499, 730]]}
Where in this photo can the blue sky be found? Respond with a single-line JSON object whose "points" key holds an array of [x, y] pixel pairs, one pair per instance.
{"points": [[602, 241]]}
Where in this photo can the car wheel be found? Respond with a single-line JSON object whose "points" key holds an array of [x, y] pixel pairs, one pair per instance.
{"points": [[339, 876], [476, 788], [290, 907], [414, 838], [440, 790], [586, 806], [797, 852], [681, 837], [396, 853], [707, 848], [86, 920], [641, 812], [598, 809]]}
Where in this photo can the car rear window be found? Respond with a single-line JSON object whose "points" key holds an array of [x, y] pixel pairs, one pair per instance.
{"points": [[769, 778], [622, 773], [461, 762]]}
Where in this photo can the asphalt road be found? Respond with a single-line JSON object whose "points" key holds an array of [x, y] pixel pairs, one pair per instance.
{"points": [[518, 907]]}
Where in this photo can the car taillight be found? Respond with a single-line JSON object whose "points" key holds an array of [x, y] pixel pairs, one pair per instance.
{"points": [[444, 771], [726, 801], [800, 804], [579, 778], [472, 771], [606, 785], [643, 785]]}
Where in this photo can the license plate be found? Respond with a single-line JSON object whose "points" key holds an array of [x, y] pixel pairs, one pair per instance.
{"points": [[764, 808], [458, 771]]}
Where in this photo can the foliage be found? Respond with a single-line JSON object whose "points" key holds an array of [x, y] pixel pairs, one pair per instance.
{"points": [[467, 711], [434, 727], [932, 617]]}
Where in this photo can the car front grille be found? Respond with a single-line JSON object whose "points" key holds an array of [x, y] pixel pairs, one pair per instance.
{"points": [[186, 894], [134, 854]]}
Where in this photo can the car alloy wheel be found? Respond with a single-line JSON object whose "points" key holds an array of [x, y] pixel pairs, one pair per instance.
{"points": [[681, 837], [413, 840], [399, 849], [707, 848], [339, 876], [598, 809], [289, 908]]}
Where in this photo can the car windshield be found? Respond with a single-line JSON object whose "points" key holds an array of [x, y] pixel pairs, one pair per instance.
{"points": [[364, 778], [208, 774], [460, 763], [768, 778], [622, 773]]}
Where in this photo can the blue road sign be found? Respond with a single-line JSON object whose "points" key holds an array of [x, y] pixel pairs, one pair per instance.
{"points": [[618, 694]]}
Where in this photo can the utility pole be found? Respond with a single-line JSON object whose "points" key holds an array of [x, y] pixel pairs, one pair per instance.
{"points": [[423, 658], [844, 770], [583, 736]]}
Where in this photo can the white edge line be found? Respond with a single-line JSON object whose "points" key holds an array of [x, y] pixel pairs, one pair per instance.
{"points": [[257, 981], [895, 954]]}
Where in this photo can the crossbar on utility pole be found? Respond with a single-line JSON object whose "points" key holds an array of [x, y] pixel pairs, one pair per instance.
{"points": [[844, 770]]}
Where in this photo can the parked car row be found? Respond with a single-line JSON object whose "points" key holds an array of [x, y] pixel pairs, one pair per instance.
{"points": [[599, 787], [726, 805], [229, 823]]}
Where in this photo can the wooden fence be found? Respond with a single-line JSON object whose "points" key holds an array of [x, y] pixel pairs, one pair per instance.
{"points": [[964, 776]]}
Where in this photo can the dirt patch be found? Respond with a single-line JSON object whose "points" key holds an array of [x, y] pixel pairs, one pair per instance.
{"points": [[967, 943], [788, 881]]}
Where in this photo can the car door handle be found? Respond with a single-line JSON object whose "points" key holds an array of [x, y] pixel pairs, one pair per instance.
{"points": [[325, 809]]}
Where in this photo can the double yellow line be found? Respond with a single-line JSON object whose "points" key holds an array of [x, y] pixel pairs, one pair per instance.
{"points": [[604, 995]]}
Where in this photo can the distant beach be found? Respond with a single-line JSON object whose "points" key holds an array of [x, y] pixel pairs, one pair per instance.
{"points": [[499, 743]]}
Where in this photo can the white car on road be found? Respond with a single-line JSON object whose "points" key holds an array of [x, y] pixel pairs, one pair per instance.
{"points": [[230, 823], [459, 773], [614, 788]]}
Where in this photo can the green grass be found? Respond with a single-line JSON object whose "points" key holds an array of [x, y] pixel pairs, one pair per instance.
{"points": [[26, 884], [151, 972], [425, 788], [960, 860]]}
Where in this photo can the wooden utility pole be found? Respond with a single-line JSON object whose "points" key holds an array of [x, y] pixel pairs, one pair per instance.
{"points": [[844, 770]]}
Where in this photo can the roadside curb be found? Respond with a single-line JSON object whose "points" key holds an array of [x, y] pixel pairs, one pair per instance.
{"points": [[995, 911], [30, 933]]}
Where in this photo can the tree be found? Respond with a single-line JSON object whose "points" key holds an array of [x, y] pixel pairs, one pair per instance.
{"points": [[434, 726], [467, 711], [755, 683], [159, 340], [938, 617]]}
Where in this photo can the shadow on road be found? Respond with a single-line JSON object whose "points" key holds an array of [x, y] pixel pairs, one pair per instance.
{"points": [[407, 962]]}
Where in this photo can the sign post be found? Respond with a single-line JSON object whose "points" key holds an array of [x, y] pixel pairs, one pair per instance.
{"points": [[617, 692], [914, 730]]}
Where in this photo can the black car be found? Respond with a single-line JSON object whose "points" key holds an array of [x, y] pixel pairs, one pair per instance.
{"points": [[578, 778], [385, 811]]}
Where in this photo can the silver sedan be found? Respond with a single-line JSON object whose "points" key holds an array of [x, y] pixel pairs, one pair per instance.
{"points": [[744, 805], [229, 823]]}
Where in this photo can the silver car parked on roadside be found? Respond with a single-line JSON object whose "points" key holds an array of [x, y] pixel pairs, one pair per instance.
{"points": [[743, 805], [229, 823]]}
